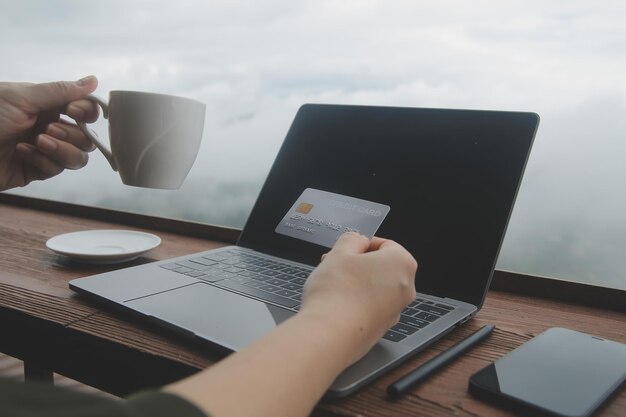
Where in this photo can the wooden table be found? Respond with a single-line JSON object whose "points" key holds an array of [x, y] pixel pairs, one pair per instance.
{"points": [[49, 327]]}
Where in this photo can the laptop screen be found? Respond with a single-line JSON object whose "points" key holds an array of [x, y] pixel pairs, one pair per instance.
{"points": [[443, 183]]}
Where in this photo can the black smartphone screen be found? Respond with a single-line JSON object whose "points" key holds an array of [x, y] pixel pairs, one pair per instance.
{"points": [[558, 373]]}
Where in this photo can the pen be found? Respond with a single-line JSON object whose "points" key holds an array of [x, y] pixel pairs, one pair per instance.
{"points": [[417, 375]]}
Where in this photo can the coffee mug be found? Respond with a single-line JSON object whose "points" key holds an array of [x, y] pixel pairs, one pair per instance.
{"points": [[154, 137]]}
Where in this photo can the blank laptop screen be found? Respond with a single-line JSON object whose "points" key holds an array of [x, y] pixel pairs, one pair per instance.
{"points": [[449, 178]]}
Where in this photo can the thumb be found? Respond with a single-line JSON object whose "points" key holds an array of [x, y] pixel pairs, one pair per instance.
{"points": [[351, 242], [54, 95]]}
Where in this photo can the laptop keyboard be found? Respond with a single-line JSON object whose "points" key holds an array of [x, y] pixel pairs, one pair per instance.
{"points": [[417, 315], [251, 274], [281, 283]]}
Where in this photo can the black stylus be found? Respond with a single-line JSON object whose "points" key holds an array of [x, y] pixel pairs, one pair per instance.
{"points": [[417, 375]]}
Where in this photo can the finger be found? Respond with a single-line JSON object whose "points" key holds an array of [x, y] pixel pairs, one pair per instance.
{"points": [[389, 248], [376, 242], [62, 153], [43, 167], [351, 242], [55, 95], [69, 132], [381, 244], [83, 111], [43, 120]]}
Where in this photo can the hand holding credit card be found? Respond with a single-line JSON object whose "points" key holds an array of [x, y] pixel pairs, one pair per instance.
{"points": [[320, 217]]}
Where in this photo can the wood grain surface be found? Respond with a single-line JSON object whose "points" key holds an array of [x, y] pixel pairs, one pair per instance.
{"points": [[44, 322]]}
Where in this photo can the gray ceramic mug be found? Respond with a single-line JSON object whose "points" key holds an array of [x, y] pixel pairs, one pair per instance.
{"points": [[154, 137]]}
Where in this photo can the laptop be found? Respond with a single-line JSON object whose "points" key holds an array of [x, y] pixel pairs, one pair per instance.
{"points": [[441, 182]]}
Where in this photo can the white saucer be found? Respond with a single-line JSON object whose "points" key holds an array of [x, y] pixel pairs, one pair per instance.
{"points": [[103, 246]]}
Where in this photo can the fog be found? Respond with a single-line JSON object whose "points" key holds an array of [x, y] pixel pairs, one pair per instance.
{"points": [[255, 63]]}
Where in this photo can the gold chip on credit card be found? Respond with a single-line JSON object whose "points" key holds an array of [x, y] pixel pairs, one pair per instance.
{"points": [[304, 208]]}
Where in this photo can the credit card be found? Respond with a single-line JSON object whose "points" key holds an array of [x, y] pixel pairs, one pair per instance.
{"points": [[320, 217]]}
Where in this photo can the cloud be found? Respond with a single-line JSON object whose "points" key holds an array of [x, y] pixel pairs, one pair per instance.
{"points": [[254, 63]]}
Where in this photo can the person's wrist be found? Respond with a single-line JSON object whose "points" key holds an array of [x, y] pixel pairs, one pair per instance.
{"points": [[344, 332]]}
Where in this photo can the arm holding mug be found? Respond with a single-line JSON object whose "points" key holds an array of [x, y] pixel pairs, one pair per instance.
{"points": [[154, 138], [34, 143]]}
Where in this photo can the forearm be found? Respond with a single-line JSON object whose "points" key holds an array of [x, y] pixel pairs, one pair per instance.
{"points": [[283, 374], [351, 298]]}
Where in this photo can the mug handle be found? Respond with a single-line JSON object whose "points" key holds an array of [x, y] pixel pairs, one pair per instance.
{"points": [[92, 136]]}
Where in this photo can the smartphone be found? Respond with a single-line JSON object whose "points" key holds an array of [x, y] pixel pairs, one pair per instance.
{"points": [[560, 372]]}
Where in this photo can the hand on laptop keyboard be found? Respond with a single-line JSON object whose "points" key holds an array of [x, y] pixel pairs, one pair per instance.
{"points": [[350, 300], [362, 283]]}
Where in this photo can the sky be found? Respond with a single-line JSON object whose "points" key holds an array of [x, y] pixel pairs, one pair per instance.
{"points": [[255, 62]]}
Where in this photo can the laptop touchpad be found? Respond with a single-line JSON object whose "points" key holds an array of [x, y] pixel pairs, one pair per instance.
{"points": [[214, 314]]}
